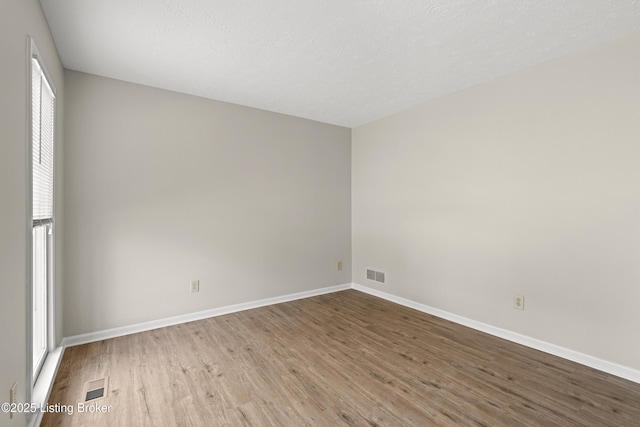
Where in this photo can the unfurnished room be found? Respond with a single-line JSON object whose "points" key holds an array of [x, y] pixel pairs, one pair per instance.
{"points": [[319, 213]]}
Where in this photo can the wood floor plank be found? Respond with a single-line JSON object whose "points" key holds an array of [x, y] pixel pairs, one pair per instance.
{"points": [[345, 358]]}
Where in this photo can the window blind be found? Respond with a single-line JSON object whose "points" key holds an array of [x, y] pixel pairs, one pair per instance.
{"points": [[43, 100]]}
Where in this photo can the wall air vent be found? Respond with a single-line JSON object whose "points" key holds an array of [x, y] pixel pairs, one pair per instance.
{"points": [[371, 275], [378, 276]]}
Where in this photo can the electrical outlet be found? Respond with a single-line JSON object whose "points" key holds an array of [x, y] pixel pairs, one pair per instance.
{"points": [[518, 302], [12, 398], [195, 286], [339, 265]]}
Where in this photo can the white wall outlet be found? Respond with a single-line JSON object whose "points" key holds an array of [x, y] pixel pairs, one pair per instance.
{"points": [[12, 397], [518, 302], [195, 286], [339, 265]]}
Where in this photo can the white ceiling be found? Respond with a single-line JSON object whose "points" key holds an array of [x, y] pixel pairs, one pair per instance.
{"points": [[344, 62]]}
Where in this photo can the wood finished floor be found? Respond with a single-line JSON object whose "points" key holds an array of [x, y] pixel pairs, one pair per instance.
{"points": [[345, 358]]}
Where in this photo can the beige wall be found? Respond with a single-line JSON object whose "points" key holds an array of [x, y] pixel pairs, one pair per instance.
{"points": [[528, 185], [162, 188], [17, 20]]}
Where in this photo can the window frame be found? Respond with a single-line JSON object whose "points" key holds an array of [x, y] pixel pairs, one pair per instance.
{"points": [[35, 382]]}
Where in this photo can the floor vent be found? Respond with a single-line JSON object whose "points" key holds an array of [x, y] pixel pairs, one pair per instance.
{"points": [[378, 276], [95, 390]]}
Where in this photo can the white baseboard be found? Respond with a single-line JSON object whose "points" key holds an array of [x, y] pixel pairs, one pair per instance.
{"points": [[190, 317], [575, 356]]}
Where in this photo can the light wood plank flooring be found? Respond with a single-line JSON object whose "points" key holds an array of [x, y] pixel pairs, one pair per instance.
{"points": [[345, 358]]}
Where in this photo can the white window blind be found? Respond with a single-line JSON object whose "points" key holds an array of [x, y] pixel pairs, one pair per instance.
{"points": [[42, 131]]}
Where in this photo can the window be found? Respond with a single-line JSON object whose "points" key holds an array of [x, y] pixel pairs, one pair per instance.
{"points": [[42, 207]]}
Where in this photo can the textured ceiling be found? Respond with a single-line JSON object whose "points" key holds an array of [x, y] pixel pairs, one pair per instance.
{"points": [[345, 62]]}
